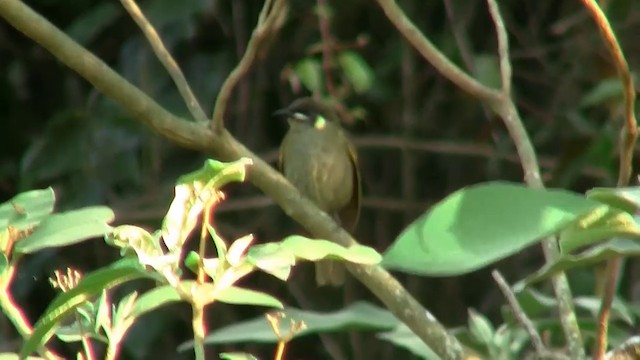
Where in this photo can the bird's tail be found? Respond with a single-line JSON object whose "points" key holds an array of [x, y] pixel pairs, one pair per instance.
{"points": [[330, 272]]}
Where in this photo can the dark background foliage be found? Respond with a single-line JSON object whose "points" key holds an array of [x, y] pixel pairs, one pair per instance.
{"points": [[419, 137]]}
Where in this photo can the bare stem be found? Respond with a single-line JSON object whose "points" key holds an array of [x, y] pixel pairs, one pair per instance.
{"points": [[628, 137], [166, 59], [522, 317], [270, 20]]}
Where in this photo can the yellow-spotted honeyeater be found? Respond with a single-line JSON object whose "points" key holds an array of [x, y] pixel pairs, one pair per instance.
{"points": [[319, 160]]}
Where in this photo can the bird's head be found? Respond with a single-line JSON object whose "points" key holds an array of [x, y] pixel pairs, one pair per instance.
{"points": [[307, 112]]}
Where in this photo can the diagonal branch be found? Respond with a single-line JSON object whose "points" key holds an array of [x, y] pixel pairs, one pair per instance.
{"points": [[222, 145]]}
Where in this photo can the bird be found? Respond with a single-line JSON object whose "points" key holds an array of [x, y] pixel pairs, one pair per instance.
{"points": [[318, 158]]}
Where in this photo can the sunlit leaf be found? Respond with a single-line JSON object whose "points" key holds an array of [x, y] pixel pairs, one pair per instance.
{"points": [[193, 192], [67, 228], [315, 249], [272, 258], [481, 224], [27, 209], [146, 246]]}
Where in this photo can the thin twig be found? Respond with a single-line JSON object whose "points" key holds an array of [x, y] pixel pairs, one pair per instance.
{"points": [[503, 48], [270, 20], [511, 118], [522, 317], [628, 136], [327, 45], [429, 51], [167, 60], [630, 130]]}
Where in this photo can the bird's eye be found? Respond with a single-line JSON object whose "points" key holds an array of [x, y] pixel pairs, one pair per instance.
{"points": [[300, 116]]}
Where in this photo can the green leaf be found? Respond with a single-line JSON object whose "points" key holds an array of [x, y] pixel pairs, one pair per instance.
{"points": [[4, 265], [315, 249], [404, 338], [357, 71], [619, 310], [594, 255], [601, 226], [273, 259], [240, 296], [359, 316], [193, 192], [27, 209], [67, 228], [221, 246], [192, 261], [65, 303], [102, 314], [626, 199], [487, 70], [605, 91], [481, 224], [238, 249], [480, 328], [310, 73], [14, 356], [237, 356], [92, 22], [154, 299], [146, 247]]}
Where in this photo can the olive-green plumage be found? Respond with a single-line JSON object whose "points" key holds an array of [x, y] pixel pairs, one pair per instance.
{"points": [[318, 159]]}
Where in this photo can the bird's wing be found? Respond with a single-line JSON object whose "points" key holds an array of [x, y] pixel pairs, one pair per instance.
{"points": [[351, 212], [280, 165]]}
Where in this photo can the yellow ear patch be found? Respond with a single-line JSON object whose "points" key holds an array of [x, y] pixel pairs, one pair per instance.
{"points": [[320, 123]]}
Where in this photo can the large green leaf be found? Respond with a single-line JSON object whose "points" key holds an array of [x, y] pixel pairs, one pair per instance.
{"points": [[67, 228], [359, 315], [481, 224], [27, 209], [65, 303]]}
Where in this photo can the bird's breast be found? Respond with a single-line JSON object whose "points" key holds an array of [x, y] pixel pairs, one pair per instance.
{"points": [[321, 169]]}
